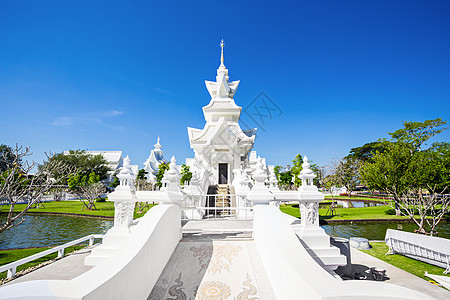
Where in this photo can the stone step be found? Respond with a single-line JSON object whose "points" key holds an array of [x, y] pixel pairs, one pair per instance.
{"points": [[99, 254], [103, 250], [333, 261], [331, 251]]}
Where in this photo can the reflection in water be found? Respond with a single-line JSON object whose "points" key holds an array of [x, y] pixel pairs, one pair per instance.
{"points": [[51, 230], [377, 231]]}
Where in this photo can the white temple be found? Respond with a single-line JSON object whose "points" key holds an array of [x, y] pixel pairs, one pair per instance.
{"points": [[153, 161], [221, 148], [177, 249]]}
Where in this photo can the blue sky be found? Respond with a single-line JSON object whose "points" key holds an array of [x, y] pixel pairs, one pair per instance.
{"points": [[113, 75]]}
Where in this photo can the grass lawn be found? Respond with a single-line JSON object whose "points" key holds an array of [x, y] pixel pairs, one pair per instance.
{"points": [[8, 256], [358, 213], [407, 264], [104, 209]]}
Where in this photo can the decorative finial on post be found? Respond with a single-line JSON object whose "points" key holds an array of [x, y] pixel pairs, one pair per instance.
{"points": [[126, 174], [307, 175], [173, 176], [222, 44], [260, 193]]}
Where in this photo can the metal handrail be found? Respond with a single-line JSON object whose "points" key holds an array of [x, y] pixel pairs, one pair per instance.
{"points": [[200, 204], [12, 267]]}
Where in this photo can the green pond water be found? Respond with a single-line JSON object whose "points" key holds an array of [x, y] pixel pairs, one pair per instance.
{"points": [[377, 231], [52, 230]]}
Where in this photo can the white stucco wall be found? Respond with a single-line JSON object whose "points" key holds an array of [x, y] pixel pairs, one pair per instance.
{"points": [[130, 273], [294, 274]]}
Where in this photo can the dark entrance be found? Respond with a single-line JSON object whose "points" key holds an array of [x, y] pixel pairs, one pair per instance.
{"points": [[223, 173]]}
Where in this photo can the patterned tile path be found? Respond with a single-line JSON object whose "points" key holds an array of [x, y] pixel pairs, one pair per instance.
{"points": [[213, 268]]}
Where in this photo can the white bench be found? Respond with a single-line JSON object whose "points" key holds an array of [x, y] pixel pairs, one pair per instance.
{"points": [[429, 249]]}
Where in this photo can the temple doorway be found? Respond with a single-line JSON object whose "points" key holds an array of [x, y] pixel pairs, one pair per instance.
{"points": [[223, 173]]}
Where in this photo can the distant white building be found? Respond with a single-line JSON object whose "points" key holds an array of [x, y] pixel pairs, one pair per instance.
{"points": [[152, 163], [114, 160]]}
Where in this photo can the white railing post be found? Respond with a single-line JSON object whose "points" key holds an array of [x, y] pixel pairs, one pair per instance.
{"points": [[124, 198], [11, 272], [91, 241], [172, 193], [260, 194], [60, 252]]}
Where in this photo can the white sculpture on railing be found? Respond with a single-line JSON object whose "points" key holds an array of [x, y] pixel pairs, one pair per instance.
{"points": [[173, 177], [126, 175], [273, 181], [192, 191], [309, 196], [124, 198], [309, 230], [260, 193], [171, 193]]}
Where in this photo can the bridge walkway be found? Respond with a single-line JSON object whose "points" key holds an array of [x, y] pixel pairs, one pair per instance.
{"points": [[216, 259]]}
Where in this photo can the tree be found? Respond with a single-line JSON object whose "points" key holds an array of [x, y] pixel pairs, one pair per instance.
{"points": [[417, 133], [367, 151], [404, 166], [296, 169], [186, 175], [6, 158], [285, 180], [328, 183], [18, 185], [141, 174], [87, 188], [320, 175], [84, 163], [115, 182], [439, 174], [430, 208], [162, 168], [346, 173], [277, 170], [141, 182], [389, 171]]}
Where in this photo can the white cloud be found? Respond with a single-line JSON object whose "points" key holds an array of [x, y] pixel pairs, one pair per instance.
{"points": [[111, 113], [89, 118], [163, 91], [62, 121]]}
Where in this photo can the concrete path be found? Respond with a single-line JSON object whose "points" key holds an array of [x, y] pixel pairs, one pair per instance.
{"points": [[214, 260], [66, 268], [361, 262]]}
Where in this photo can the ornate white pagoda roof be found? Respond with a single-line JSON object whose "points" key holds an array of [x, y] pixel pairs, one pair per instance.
{"points": [[221, 114], [155, 159]]}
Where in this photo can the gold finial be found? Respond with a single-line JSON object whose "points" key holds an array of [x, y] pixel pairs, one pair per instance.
{"points": [[222, 44]]}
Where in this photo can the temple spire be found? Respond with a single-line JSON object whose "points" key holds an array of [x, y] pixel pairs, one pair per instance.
{"points": [[222, 44], [158, 146]]}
